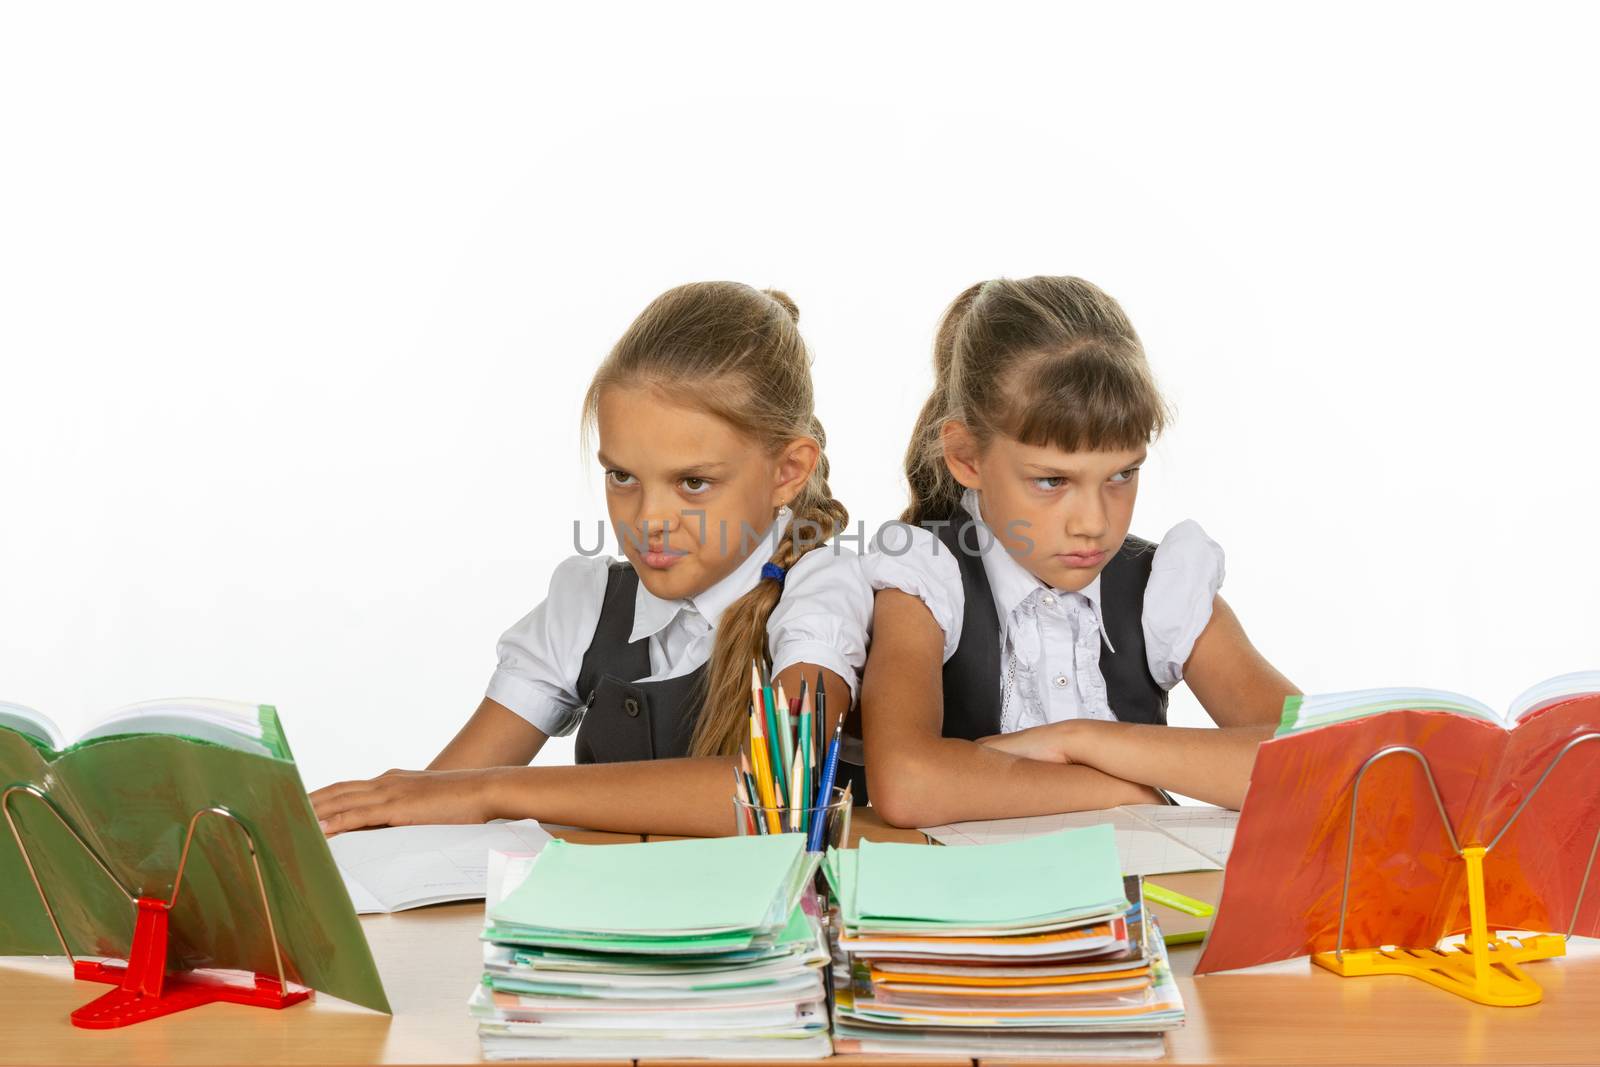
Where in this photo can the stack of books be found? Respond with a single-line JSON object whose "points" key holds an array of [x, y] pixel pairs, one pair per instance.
{"points": [[708, 948], [1037, 947]]}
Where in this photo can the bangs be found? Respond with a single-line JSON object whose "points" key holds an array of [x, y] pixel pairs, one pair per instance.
{"points": [[1093, 398]]}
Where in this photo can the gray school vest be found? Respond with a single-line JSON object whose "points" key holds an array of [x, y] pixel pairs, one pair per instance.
{"points": [[971, 677], [626, 719]]}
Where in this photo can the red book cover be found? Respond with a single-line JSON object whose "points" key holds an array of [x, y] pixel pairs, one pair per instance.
{"points": [[1281, 891]]}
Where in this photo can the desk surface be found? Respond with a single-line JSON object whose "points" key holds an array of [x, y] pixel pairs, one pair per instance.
{"points": [[1290, 1012]]}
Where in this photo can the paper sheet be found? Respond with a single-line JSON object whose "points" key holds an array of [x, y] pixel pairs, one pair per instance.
{"points": [[400, 867], [1151, 838]]}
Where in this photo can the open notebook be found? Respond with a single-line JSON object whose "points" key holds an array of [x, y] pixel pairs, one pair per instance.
{"points": [[400, 867], [1151, 838]]}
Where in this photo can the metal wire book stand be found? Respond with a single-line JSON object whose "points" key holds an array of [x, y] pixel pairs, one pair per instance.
{"points": [[1485, 967], [145, 988]]}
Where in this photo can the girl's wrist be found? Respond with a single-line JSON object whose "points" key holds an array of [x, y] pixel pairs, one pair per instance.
{"points": [[502, 793]]}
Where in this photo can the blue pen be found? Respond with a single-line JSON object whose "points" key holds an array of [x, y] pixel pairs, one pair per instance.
{"points": [[830, 766]]}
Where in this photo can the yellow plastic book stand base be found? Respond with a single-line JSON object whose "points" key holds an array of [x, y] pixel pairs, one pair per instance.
{"points": [[1502, 982], [1484, 969]]}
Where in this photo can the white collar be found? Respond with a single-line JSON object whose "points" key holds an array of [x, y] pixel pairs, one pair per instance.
{"points": [[651, 614], [1011, 583]]}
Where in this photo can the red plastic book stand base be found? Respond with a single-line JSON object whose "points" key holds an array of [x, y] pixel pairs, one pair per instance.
{"points": [[146, 991]]}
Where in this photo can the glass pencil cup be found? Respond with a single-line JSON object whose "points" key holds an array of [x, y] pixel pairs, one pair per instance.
{"points": [[834, 815]]}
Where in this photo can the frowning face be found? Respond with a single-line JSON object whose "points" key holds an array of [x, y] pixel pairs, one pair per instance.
{"points": [[689, 495], [1062, 515]]}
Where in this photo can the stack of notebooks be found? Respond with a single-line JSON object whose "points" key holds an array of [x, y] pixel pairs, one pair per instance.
{"points": [[706, 948], [1037, 947]]}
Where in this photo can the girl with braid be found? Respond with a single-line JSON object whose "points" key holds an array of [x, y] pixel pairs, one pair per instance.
{"points": [[1024, 642], [717, 489]]}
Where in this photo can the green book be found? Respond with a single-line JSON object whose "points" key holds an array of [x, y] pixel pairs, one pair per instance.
{"points": [[1049, 878], [716, 889], [129, 787]]}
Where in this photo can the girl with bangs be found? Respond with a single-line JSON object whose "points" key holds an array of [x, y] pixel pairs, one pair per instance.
{"points": [[717, 490], [1024, 642]]}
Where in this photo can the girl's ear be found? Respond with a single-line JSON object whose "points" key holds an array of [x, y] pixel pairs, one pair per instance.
{"points": [[961, 453], [795, 464]]}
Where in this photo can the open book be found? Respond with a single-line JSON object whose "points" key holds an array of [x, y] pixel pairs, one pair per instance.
{"points": [[399, 867], [1281, 895], [245, 727], [129, 788]]}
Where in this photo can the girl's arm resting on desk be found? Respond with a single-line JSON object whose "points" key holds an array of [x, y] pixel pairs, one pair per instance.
{"points": [[1208, 764], [920, 778], [1241, 691], [669, 796], [467, 783]]}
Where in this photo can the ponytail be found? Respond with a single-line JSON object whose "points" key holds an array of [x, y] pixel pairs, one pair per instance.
{"points": [[742, 629], [934, 490]]}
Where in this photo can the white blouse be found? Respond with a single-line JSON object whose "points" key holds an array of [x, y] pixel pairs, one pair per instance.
{"points": [[1050, 639], [822, 618]]}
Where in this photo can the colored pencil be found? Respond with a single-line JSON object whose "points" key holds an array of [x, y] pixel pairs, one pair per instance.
{"points": [[747, 782], [830, 768], [819, 718], [782, 742], [763, 771], [750, 788], [746, 814], [770, 719], [803, 747], [797, 798], [755, 685]]}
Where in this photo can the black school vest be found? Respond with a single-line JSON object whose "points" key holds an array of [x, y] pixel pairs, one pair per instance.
{"points": [[971, 676], [626, 719]]}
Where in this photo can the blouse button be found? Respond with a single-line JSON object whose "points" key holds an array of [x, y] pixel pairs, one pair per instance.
{"points": [[1061, 681], [631, 706], [1049, 601]]}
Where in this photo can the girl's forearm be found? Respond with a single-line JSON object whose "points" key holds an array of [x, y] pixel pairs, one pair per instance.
{"points": [[1209, 764], [691, 796], [942, 780]]}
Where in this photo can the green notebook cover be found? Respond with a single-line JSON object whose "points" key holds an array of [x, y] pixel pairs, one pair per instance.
{"points": [[131, 797], [709, 889], [1059, 875]]}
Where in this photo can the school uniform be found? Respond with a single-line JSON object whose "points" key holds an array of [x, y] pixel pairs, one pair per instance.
{"points": [[1018, 653], [606, 657]]}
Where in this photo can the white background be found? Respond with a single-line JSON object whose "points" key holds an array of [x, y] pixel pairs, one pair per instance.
{"points": [[297, 305]]}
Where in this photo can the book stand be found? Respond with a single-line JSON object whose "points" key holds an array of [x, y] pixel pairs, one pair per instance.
{"points": [[1485, 968], [145, 988]]}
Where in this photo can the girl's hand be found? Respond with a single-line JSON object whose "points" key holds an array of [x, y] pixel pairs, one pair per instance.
{"points": [[405, 798], [1047, 743]]}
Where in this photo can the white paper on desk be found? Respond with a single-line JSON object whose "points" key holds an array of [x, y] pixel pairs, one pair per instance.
{"points": [[1151, 838], [400, 867]]}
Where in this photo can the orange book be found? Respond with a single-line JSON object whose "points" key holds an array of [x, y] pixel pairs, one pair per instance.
{"points": [[1284, 879], [1044, 979]]}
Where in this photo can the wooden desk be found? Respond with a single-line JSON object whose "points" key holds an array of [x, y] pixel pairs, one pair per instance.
{"points": [[430, 960]]}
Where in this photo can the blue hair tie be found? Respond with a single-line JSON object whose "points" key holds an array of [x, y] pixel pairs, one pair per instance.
{"points": [[773, 571]]}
